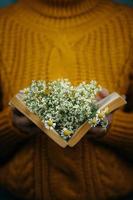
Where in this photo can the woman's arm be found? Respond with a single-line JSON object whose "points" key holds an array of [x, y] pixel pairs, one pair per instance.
{"points": [[10, 134], [120, 133]]}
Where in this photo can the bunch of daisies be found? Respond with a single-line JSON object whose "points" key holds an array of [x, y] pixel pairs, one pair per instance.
{"points": [[64, 107]]}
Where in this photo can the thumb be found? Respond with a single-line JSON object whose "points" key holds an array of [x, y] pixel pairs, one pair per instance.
{"points": [[102, 94]]}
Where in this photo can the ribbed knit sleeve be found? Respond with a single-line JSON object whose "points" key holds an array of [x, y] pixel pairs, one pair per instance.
{"points": [[9, 135], [120, 133]]}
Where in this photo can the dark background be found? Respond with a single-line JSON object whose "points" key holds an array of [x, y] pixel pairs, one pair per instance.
{"points": [[8, 2]]}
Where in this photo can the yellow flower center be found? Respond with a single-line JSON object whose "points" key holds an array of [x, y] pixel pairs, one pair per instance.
{"points": [[50, 123], [67, 132], [100, 115], [94, 121], [47, 91], [26, 91]]}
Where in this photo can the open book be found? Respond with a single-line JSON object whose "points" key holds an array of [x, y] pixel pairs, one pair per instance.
{"points": [[112, 101]]}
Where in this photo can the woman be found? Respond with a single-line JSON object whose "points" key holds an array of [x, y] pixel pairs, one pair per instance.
{"points": [[80, 40]]}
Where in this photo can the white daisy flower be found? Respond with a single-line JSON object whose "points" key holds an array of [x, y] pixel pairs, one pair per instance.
{"points": [[50, 124]]}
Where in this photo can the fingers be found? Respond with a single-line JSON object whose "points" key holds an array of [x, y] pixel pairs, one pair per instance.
{"points": [[20, 119], [102, 94], [36, 130], [109, 118], [23, 123], [97, 132], [17, 112]]}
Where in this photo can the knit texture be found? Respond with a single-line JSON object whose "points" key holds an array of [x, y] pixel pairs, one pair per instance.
{"points": [[83, 41]]}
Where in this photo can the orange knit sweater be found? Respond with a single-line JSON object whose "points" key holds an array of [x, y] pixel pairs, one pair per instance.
{"points": [[91, 39]]}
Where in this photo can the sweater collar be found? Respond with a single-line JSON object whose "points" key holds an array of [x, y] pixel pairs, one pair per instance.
{"points": [[42, 15], [61, 8]]}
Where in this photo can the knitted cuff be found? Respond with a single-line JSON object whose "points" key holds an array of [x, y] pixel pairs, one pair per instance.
{"points": [[8, 132], [121, 129]]}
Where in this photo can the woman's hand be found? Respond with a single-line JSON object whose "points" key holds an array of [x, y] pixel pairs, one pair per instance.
{"points": [[98, 132], [23, 123]]}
